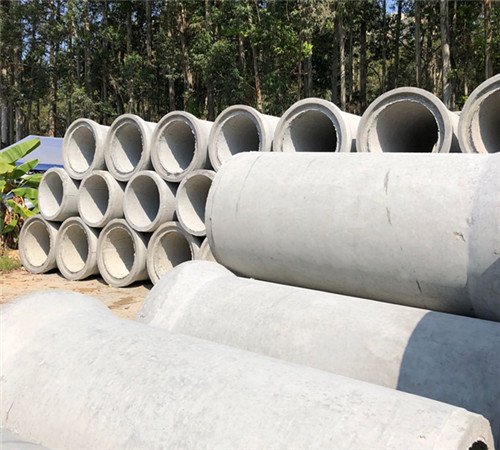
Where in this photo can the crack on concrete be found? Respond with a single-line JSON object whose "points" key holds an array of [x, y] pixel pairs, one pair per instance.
{"points": [[388, 216], [419, 288], [386, 181], [8, 411], [459, 235]]}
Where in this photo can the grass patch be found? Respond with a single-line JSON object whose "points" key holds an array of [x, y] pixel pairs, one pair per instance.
{"points": [[9, 262]]}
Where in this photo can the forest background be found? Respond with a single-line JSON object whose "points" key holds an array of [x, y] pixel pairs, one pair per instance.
{"points": [[65, 59]]}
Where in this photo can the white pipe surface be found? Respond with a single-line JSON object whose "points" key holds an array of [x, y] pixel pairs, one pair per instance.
{"points": [[76, 249], [408, 120], [100, 199], [58, 195], [420, 230], [237, 129], [83, 148], [316, 125], [444, 357], [121, 254], [128, 145], [12, 441], [74, 376], [479, 125], [191, 201], [180, 145], [149, 201], [169, 246], [37, 244]]}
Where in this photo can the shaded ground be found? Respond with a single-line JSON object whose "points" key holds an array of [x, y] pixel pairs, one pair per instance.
{"points": [[124, 302]]}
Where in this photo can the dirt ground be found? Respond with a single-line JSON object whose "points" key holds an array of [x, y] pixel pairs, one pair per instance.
{"points": [[124, 302]]}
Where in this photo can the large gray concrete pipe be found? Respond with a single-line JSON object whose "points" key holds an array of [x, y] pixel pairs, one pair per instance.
{"points": [[100, 199], [128, 146], [169, 246], [58, 195], [237, 129], [37, 244], [76, 249], [445, 357], [419, 229], [149, 201], [83, 148], [180, 145], [74, 375], [409, 120], [192, 199], [479, 124], [121, 254], [12, 441], [316, 125]]}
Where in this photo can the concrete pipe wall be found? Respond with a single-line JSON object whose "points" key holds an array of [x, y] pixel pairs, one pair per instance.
{"points": [[420, 230], [479, 125], [100, 199], [121, 254], [76, 249], [408, 120], [180, 145], [83, 148], [37, 244], [205, 253], [445, 357], [149, 201], [128, 145], [12, 441], [237, 129], [169, 246], [74, 375], [58, 195], [191, 201], [316, 125]]}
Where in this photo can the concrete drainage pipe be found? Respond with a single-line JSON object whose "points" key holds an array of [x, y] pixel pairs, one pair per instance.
{"points": [[415, 229], [149, 201], [37, 244], [71, 354], [121, 254], [239, 129], [316, 125], [205, 253], [408, 120], [83, 148], [169, 246], [191, 201], [58, 195], [479, 125], [76, 249], [408, 349], [100, 199], [180, 145], [128, 145]]}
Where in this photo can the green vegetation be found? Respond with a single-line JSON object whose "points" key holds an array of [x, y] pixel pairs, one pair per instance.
{"points": [[64, 59], [8, 263], [18, 191]]}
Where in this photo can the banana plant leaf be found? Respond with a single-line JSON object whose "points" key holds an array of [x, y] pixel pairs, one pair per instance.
{"points": [[12, 154]]}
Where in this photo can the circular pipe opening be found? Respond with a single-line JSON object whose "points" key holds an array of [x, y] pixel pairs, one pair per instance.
{"points": [[404, 126], [486, 133], [36, 243], [118, 252], [310, 131], [176, 146], [171, 250], [94, 198], [81, 149], [478, 445], [126, 147], [192, 202], [142, 197], [239, 133], [74, 248], [51, 193]]}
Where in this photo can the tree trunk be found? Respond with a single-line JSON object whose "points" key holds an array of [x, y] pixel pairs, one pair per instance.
{"points": [[52, 74], [255, 62], [445, 52], [342, 63], [384, 46], [188, 76], [397, 44], [335, 57], [418, 46], [309, 77], [210, 88], [362, 67], [488, 38], [350, 64]]}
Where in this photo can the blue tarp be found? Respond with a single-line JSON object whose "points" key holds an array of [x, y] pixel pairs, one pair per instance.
{"points": [[49, 153]]}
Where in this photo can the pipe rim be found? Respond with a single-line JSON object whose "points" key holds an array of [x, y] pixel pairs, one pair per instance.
{"points": [[468, 126], [228, 114], [51, 193], [113, 154], [39, 265], [89, 215], [432, 103], [158, 149], [328, 109]]}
